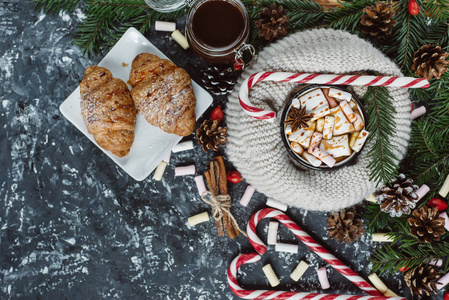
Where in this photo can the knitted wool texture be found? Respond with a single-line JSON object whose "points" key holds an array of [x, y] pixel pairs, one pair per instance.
{"points": [[255, 146]]}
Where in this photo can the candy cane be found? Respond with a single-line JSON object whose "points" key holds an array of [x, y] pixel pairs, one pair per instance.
{"points": [[282, 295], [325, 79]]}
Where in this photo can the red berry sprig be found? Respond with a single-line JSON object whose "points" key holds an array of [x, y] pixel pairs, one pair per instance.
{"points": [[438, 203], [234, 177], [217, 113], [413, 7]]}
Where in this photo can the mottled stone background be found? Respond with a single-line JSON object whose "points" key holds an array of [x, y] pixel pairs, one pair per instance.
{"points": [[75, 226]]}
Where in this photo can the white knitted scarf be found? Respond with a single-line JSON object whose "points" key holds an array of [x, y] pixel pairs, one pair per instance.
{"points": [[255, 146]]}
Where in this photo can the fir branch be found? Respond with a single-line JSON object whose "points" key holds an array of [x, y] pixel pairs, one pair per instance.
{"points": [[381, 125], [348, 16], [378, 221], [437, 9], [55, 6], [120, 9]]}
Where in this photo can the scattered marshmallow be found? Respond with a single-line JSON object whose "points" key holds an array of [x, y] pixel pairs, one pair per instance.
{"points": [[446, 219], [422, 191], [200, 184], [180, 39], [436, 262], [371, 198], [165, 26], [186, 170], [273, 227], [443, 281], [322, 276], [418, 112], [361, 139], [159, 171], [276, 204], [300, 269], [390, 293], [271, 276], [378, 284], [445, 188], [382, 237], [199, 218], [347, 110], [247, 195], [184, 146], [328, 127], [291, 248], [167, 157]]}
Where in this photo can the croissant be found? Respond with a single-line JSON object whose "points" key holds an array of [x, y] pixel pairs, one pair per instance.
{"points": [[108, 110], [163, 93]]}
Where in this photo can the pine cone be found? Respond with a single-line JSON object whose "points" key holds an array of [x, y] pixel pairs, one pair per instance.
{"points": [[426, 224], [378, 20], [430, 61], [273, 22], [220, 80], [211, 136], [345, 226], [399, 197], [422, 280]]}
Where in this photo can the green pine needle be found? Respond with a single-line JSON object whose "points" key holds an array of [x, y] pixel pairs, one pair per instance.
{"points": [[56, 5]]}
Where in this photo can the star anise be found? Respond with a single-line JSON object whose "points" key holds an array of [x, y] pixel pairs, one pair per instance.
{"points": [[298, 118]]}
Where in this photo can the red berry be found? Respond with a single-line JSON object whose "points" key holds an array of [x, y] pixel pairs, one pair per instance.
{"points": [[446, 296], [234, 177], [403, 269], [413, 7], [217, 113], [237, 66], [438, 203]]}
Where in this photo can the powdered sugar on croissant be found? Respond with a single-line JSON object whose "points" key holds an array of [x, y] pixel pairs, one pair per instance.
{"points": [[163, 93], [108, 110]]}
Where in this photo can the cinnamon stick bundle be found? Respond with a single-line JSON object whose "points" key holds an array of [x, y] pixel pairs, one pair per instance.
{"points": [[218, 185]]}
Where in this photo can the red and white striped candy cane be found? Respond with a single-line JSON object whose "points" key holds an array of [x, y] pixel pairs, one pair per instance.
{"points": [[283, 295], [261, 248], [324, 79]]}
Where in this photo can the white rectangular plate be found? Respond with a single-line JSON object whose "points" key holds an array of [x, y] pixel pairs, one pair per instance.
{"points": [[151, 144]]}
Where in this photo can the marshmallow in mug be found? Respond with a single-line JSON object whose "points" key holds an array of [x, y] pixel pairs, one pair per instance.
{"points": [[342, 125], [328, 128], [339, 94], [315, 103], [360, 140], [337, 146], [302, 136]]}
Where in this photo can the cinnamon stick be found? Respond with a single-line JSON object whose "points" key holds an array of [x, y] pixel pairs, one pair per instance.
{"points": [[212, 187]]}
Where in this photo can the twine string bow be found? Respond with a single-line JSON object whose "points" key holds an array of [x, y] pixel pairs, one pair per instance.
{"points": [[221, 204]]}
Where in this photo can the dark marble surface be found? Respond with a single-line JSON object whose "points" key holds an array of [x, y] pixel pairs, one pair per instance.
{"points": [[75, 226]]}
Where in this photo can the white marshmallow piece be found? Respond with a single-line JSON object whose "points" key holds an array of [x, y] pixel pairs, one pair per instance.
{"points": [[337, 146], [291, 248], [180, 39], [371, 198], [315, 103], [159, 171], [322, 276], [311, 159], [249, 191], [184, 146], [197, 219], [324, 156], [276, 204], [302, 136], [436, 262], [339, 94], [271, 276], [342, 125], [331, 101], [347, 110], [320, 125], [418, 112], [390, 293], [300, 269], [167, 157], [382, 237], [200, 184], [361, 139], [273, 227], [288, 129], [378, 284], [297, 148], [186, 170], [359, 124], [353, 105], [422, 191], [353, 138], [164, 26], [446, 220], [315, 141], [444, 190], [443, 281], [295, 103], [328, 128]]}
